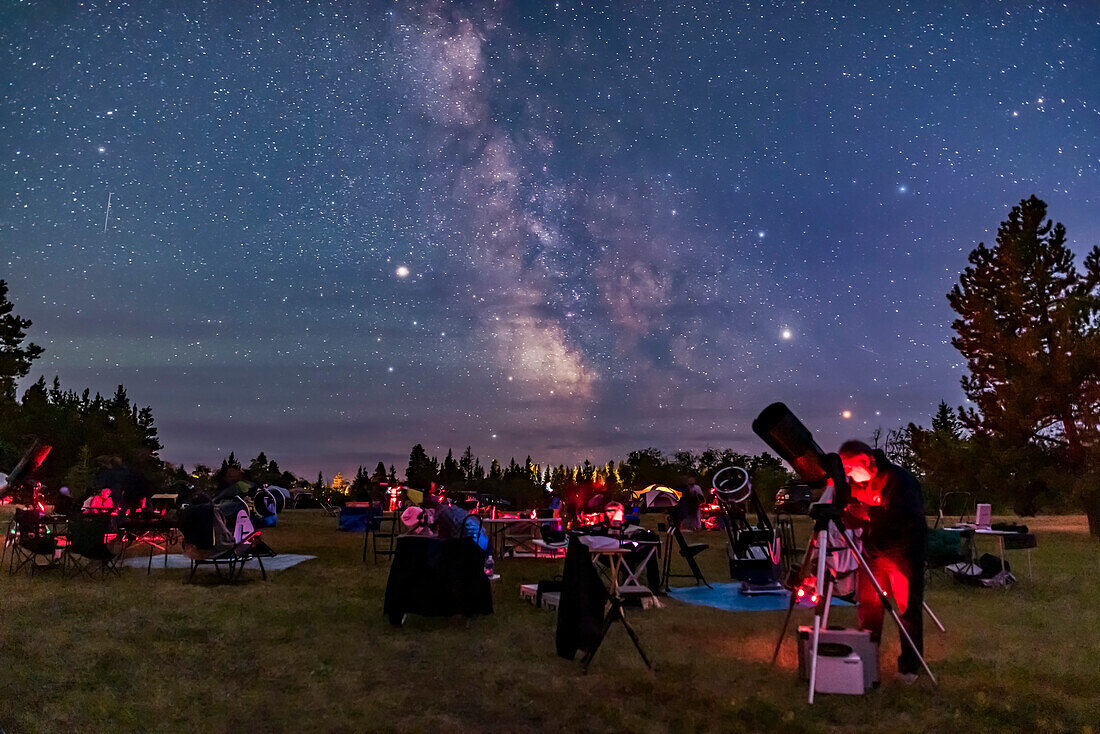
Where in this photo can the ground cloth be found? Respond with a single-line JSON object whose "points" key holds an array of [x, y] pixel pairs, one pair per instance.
{"points": [[178, 560], [728, 596]]}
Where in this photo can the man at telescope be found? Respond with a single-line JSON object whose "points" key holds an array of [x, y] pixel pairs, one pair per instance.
{"points": [[888, 506]]}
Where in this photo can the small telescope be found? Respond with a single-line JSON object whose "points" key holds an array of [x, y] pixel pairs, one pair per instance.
{"points": [[793, 442]]}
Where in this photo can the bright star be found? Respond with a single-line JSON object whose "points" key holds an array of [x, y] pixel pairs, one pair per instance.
{"points": [[846, 414], [402, 272]]}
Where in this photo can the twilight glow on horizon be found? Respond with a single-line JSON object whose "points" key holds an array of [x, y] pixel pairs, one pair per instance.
{"points": [[558, 229]]}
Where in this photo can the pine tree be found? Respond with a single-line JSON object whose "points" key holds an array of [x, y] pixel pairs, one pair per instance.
{"points": [[1029, 328], [422, 470], [466, 463], [15, 358], [945, 423]]}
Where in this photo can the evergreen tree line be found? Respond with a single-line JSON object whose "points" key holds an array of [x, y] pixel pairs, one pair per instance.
{"points": [[528, 484], [88, 434]]}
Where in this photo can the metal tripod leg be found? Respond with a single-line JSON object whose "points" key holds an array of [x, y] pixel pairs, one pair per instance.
{"points": [[886, 603], [790, 607], [821, 610], [935, 619]]}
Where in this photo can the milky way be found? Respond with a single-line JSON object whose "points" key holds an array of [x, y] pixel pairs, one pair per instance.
{"points": [[555, 229]]}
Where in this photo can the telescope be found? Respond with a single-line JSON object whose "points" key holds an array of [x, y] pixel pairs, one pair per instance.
{"points": [[26, 467], [793, 442]]}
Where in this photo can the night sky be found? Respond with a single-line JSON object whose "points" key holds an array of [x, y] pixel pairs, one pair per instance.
{"points": [[558, 229]]}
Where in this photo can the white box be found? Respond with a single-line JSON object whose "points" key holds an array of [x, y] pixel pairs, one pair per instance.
{"points": [[839, 675], [859, 641]]}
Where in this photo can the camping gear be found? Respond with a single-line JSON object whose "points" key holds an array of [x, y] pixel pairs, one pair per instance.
{"points": [[93, 546], [34, 540], [436, 577], [357, 517], [382, 535], [854, 641], [686, 550], [209, 539], [587, 609], [655, 497]]}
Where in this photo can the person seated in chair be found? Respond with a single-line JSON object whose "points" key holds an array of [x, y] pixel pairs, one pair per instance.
{"points": [[99, 502], [451, 521], [889, 507]]}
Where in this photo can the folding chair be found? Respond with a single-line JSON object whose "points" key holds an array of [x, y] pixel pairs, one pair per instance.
{"points": [[33, 541], [948, 547], [687, 551], [963, 502], [520, 538], [207, 540], [383, 535], [93, 546], [330, 509]]}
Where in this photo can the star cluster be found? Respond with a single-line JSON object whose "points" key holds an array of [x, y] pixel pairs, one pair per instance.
{"points": [[560, 229]]}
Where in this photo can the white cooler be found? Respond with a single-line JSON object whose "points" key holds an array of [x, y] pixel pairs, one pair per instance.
{"points": [[852, 672]]}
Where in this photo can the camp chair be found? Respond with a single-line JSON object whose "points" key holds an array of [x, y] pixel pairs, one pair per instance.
{"points": [[520, 538], [948, 547], [952, 502], [93, 546], [330, 509], [33, 540], [687, 551], [383, 534], [207, 540]]}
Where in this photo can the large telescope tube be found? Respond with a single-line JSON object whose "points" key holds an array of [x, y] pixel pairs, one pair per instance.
{"points": [[794, 443]]}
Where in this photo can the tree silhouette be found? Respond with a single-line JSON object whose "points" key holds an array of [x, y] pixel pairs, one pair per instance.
{"points": [[1029, 328], [15, 357]]}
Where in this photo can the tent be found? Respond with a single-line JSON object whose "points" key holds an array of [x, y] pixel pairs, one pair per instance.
{"points": [[655, 496]]}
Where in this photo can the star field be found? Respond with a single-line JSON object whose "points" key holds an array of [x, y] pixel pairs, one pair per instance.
{"points": [[560, 229]]}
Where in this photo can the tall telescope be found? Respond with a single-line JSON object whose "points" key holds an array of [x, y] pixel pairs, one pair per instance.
{"points": [[793, 442]]}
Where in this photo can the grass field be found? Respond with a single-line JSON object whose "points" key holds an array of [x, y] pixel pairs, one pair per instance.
{"points": [[309, 650]]}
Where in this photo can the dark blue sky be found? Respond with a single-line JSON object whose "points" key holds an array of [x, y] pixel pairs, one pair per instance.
{"points": [[535, 228]]}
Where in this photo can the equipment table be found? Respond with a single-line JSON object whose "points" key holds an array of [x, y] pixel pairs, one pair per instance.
{"points": [[498, 528], [1028, 539]]}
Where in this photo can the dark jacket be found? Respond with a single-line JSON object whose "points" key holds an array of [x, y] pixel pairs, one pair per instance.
{"points": [[898, 524]]}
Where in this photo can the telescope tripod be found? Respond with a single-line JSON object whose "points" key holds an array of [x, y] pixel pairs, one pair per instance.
{"points": [[827, 515]]}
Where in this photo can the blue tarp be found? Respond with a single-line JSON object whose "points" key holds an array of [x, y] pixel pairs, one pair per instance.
{"points": [[728, 596]]}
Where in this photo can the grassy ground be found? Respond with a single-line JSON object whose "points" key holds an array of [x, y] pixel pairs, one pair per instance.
{"points": [[309, 650]]}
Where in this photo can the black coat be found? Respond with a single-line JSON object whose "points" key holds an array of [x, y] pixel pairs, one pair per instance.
{"points": [[582, 603], [898, 524]]}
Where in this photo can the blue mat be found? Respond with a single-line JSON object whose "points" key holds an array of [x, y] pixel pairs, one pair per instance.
{"points": [[728, 596]]}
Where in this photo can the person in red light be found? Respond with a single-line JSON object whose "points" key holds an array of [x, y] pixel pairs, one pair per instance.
{"points": [[99, 502], [889, 507]]}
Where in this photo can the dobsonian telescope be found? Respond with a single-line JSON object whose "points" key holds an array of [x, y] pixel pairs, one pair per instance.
{"points": [[794, 443]]}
